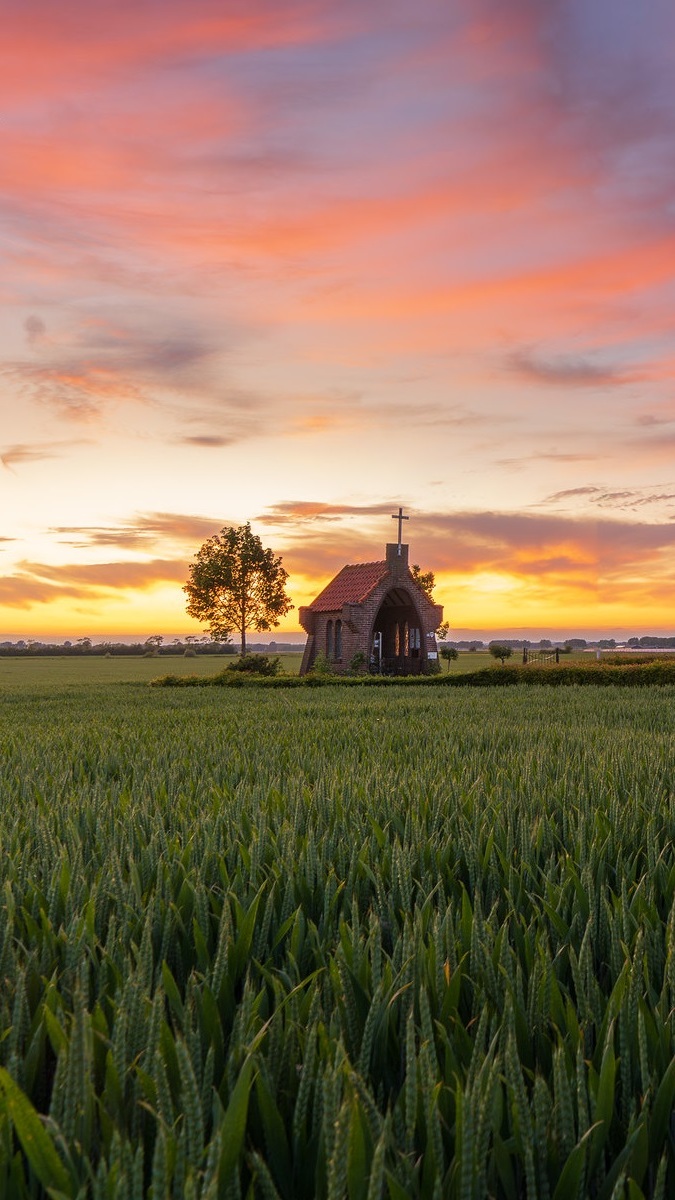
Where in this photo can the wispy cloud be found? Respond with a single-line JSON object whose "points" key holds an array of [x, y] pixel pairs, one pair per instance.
{"points": [[303, 511], [629, 499], [552, 456], [225, 417], [107, 359], [35, 329], [209, 441], [569, 493], [142, 531], [651, 420], [22, 452], [565, 371]]}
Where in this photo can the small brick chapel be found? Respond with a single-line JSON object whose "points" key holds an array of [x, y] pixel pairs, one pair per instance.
{"points": [[377, 610]]}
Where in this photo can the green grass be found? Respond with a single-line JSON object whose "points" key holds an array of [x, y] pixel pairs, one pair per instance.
{"points": [[33, 674], [86, 671], [412, 943], [476, 660], [469, 660], [83, 672]]}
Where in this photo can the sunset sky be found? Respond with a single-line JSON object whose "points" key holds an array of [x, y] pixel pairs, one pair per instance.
{"points": [[301, 262]]}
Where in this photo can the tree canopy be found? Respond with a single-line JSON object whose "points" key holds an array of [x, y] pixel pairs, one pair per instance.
{"points": [[425, 579], [501, 651], [450, 654], [236, 584]]}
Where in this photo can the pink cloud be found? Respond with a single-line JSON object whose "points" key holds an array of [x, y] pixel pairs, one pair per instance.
{"points": [[48, 48]]}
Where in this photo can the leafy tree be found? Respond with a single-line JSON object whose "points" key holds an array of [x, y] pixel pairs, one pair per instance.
{"points": [[443, 631], [497, 650], [235, 583], [425, 579], [449, 653]]}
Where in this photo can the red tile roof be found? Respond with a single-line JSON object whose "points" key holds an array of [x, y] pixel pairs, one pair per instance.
{"points": [[352, 585]]}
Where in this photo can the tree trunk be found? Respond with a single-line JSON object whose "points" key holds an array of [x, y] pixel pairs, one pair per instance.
{"points": [[243, 619]]}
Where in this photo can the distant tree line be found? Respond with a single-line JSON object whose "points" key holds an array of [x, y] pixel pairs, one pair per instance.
{"points": [[649, 642], [84, 646], [155, 646], [652, 643], [192, 645]]}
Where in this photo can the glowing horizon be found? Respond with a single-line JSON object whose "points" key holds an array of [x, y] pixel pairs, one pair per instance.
{"points": [[301, 267]]}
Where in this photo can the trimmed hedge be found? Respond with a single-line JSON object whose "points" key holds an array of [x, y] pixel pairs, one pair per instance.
{"points": [[593, 674]]}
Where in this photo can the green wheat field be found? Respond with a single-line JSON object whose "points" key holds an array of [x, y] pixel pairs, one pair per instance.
{"points": [[334, 943]]}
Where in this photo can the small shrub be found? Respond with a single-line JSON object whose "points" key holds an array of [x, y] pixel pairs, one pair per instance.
{"points": [[358, 664], [321, 665], [255, 664]]}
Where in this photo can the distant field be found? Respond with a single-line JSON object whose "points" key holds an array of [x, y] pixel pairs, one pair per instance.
{"points": [[469, 660], [79, 672], [31, 673], [475, 660]]}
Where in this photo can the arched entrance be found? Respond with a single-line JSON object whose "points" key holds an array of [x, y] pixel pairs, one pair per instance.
{"points": [[397, 642]]}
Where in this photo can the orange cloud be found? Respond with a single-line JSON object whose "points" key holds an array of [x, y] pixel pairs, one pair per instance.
{"points": [[41, 583], [553, 554]]}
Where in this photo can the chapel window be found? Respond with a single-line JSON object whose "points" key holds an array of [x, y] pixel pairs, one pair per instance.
{"points": [[329, 639], [338, 640]]}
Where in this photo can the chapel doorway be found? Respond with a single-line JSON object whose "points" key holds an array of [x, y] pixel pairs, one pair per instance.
{"points": [[397, 642]]}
